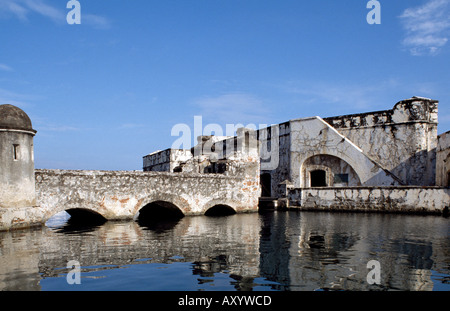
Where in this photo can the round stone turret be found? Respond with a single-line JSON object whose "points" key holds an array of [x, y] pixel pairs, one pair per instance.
{"points": [[12, 117], [17, 184]]}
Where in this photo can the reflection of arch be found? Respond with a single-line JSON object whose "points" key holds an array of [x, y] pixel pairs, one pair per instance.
{"points": [[159, 216]]}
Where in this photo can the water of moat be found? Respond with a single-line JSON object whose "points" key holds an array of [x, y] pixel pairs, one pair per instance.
{"points": [[270, 251]]}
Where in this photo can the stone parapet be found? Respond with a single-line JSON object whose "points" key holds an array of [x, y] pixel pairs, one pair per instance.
{"points": [[432, 200]]}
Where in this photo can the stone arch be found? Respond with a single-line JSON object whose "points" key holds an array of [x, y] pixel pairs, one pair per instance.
{"points": [[159, 214], [220, 210], [334, 167], [50, 211], [159, 210], [313, 136], [169, 200], [222, 203], [79, 216], [85, 216]]}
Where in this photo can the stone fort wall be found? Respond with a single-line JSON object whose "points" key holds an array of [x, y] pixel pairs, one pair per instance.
{"points": [[443, 160], [431, 200], [402, 140]]}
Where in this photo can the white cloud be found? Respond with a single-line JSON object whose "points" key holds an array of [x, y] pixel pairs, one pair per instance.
{"points": [[95, 21], [337, 94], [15, 99], [427, 27], [46, 10], [5, 67], [13, 7], [57, 128], [233, 108], [21, 9], [327, 98], [131, 126]]}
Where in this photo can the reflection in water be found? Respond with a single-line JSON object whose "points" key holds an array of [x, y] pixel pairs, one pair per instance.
{"points": [[267, 251], [159, 226]]}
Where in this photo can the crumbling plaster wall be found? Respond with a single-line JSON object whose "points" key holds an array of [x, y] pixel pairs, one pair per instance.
{"points": [[166, 160], [121, 194], [313, 136], [411, 199], [402, 140], [443, 160], [16, 175], [275, 148], [334, 166]]}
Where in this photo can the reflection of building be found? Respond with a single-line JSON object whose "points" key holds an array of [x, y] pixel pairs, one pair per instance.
{"points": [[331, 251], [283, 250]]}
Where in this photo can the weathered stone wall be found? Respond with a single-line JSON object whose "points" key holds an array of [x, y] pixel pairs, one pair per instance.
{"points": [[274, 144], [382, 199], [443, 160], [391, 147], [17, 188], [165, 161], [402, 140], [335, 167], [121, 194], [16, 169], [311, 137]]}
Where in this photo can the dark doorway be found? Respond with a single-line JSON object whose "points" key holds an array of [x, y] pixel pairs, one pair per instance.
{"points": [[318, 178], [266, 185]]}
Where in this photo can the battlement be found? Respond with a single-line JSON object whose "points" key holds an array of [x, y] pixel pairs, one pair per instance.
{"points": [[412, 110]]}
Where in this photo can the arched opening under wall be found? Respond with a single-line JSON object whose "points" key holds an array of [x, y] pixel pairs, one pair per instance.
{"points": [[325, 170], [58, 220], [220, 210], [85, 216], [159, 216], [76, 219]]}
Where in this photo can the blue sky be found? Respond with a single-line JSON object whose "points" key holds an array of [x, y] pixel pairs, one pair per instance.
{"points": [[108, 91]]}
